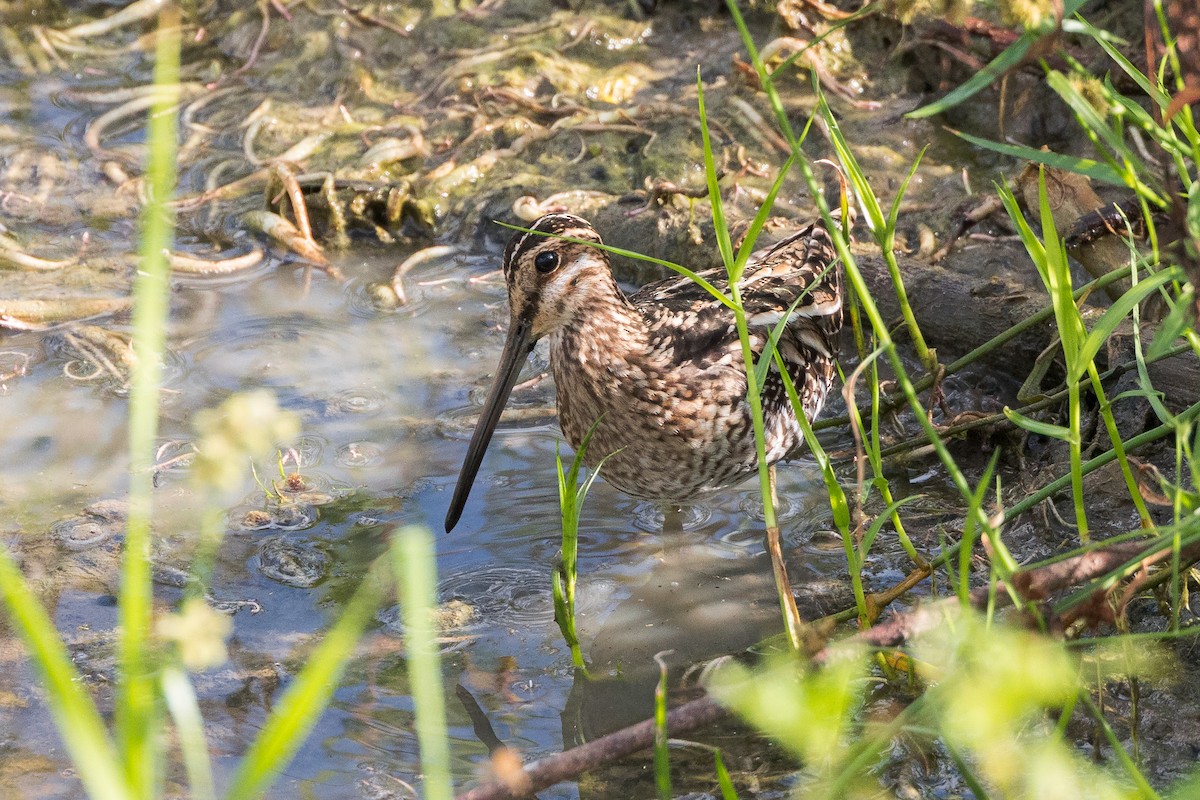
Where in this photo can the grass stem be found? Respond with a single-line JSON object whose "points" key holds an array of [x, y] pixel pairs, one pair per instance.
{"points": [[136, 704], [415, 571]]}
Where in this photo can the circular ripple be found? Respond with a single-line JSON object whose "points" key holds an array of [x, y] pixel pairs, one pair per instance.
{"points": [[371, 299], [748, 538], [291, 517], [359, 454], [359, 400], [79, 533], [751, 505], [427, 275], [99, 522], [305, 489], [308, 452], [648, 516], [83, 368], [826, 540], [297, 564], [501, 596], [451, 616]]}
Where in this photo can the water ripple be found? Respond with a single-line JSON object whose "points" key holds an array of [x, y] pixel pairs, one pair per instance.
{"points": [[298, 564], [501, 596], [359, 400], [359, 454]]}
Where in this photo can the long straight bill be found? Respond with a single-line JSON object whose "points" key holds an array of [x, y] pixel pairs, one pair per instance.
{"points": [[516, 349]]}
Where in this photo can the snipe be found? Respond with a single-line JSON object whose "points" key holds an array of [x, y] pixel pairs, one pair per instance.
{"points": [[662, 369]]}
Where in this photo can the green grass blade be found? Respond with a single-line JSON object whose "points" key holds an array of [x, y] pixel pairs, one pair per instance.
{"points": [[180, 697], [1130, 108], [571, 496], [1136, 75], [1051, 262], [967, 771], [564, 616], [857, 283], [714, 191], [1114, 436], [883, 233], [1081, 166], [564, 499], [970, 526], [1096, 126], [75, 714], [1010, 59], [858, 179], [1037, 426], [881, 519], [829, 28], [662, 754], [764, 358], [894, 213], [1033, 245], [1090, 118], [1177, 322], [728, 792], [1144, 790], [1114, 316], [1091, 465], [1056, 271], [760, 218], [136, 706], [753, 388], [416, 571], [309, 694], [837, 497], [781, 114]]}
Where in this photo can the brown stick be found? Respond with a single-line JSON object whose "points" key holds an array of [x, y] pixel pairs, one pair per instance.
{"points": [[545, 772], [1034, 584]]}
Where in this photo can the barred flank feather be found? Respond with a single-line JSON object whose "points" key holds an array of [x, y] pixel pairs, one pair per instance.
{"points": [[662, 369]]}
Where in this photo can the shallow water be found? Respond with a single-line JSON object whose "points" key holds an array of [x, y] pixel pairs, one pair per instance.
{"points": [[386, 399], [393, 385]]}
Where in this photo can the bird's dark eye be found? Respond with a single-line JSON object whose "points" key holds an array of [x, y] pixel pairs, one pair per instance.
{"points": [[546, 261]]}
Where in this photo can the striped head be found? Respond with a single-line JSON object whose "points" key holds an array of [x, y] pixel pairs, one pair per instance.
{"points": [[550, 280]]}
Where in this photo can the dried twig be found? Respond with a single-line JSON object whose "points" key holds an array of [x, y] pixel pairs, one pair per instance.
{"points": [[565, 766]]}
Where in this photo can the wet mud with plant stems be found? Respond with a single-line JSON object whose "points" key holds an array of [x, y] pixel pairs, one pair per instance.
{"points": [[318, 151]]}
